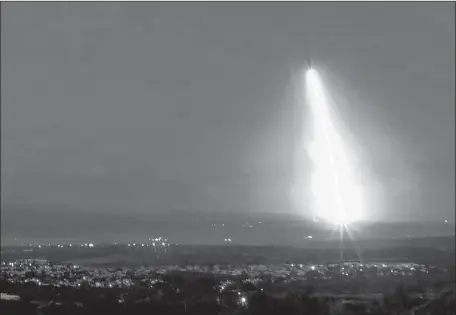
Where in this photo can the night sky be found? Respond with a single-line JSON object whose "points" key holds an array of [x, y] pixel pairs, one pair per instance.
{"points": [[150, 107]]}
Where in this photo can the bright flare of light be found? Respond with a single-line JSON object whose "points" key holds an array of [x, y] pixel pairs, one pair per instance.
{"points": [[337, 197]]}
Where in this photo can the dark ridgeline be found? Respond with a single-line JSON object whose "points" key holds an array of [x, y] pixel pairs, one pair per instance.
{"points": [[50, 224]]}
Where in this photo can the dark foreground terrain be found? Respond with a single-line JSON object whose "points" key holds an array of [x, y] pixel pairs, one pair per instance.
{"points": [[402, 276], [184, 264], [41, 287]]}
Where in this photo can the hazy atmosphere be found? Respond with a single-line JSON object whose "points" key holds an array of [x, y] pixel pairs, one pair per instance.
{"points": [[151, 107], [227, 158]]}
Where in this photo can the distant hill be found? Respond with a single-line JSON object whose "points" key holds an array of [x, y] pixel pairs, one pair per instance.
{"points": [[48, 223]]}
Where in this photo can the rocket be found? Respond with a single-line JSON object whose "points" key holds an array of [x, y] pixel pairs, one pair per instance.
{"points": [[308, 64]]}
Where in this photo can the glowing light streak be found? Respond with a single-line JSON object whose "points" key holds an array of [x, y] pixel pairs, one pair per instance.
{"points": [[336, 195]]}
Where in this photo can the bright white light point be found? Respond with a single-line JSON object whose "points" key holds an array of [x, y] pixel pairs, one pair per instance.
{"points": [[337, 197], [446, 221], [313, 267], [310, 236], [243, 300], [90, 245]]}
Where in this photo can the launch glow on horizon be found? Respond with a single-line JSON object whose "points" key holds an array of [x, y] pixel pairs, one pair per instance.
{"points": [[336, 197]]}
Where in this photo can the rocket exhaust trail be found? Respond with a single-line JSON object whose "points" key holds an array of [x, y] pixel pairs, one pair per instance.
{"points": [[335, 194]]}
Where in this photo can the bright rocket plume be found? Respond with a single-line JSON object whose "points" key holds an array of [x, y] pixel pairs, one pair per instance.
{"points": [[336, 197]]}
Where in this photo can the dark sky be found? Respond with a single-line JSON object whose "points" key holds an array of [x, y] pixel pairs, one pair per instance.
{"points": [[157, 106]]}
